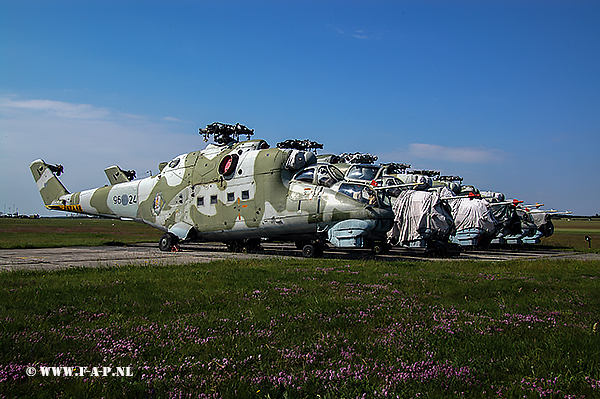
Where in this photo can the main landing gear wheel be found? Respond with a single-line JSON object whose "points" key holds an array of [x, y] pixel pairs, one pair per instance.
{"points": [[168, 242], [381, 248], [312, 250], [235, 246], [247, 245], [252, 246]]}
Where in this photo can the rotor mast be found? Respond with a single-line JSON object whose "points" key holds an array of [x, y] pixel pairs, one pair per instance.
{"points": [[224, 133]]}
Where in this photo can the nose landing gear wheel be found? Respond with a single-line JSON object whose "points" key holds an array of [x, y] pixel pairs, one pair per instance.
{"points": [[167, 242], [312, 250]]}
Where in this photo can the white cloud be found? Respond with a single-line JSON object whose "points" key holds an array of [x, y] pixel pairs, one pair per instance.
{"points": [[132, 116], [82, 142], [58, 109], [171, 119], [455, 154], [358, 33]]}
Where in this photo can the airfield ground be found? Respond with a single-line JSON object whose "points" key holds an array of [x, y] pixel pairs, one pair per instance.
{"points": [[143, 254], [62, 243]]}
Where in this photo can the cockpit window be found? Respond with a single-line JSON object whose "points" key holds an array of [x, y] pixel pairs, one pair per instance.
{"points": [[328, 175], [392, 182], [359, 172], [388, 196], [337, 174], [174, 163], [359, 192], [306, 175]]}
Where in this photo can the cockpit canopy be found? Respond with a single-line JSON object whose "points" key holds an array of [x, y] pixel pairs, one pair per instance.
{"points": [[320, 175], [362, 172], [359, 192], [327, 175]]}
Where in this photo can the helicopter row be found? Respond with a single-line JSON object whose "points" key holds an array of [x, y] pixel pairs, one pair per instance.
{"points": [[480, 218], [244, 192]]}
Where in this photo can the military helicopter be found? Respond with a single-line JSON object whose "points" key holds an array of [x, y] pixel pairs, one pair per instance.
{"points": [[486, 217], [236, 192], [480, 217], [536, 223], [421, 219], [543, 221]]}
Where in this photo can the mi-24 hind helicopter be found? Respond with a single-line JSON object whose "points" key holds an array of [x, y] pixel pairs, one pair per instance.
{"points": [[236, 192], [421, 219]]}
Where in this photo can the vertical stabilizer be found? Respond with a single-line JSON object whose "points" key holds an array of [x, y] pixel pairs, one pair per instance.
{"points": [[117, 175], [51, 189]]}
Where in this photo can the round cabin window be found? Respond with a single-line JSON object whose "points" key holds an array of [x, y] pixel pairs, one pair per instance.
{"points": [[228, 164]]}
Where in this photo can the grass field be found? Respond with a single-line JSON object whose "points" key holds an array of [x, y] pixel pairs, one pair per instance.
{"points": [[306, 329], [61, 232], [298, 328], [570, 234]]}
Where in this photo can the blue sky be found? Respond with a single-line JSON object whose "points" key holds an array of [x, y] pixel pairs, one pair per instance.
{"points": [[505, 94]]}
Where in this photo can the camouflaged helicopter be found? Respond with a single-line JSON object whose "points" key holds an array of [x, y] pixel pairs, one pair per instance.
{"points": [[236, 192], [468, 220]]}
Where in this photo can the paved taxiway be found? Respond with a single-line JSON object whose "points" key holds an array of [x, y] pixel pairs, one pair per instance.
{"points": [[142, 254]]}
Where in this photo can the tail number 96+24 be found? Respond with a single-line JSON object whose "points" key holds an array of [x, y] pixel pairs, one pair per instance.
{"points": [[125, 199]]}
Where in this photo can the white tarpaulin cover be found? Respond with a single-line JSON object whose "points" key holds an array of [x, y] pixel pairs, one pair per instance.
{"points": [[420, 215], [543, 221], [540, 218], [469, 213]]}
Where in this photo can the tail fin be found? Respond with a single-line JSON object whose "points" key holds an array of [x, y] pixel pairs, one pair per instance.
{"points": [[51, 189], [117, 175]]}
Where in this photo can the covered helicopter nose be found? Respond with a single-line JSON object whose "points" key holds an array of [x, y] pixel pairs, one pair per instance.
{"points": [[454, 187]]}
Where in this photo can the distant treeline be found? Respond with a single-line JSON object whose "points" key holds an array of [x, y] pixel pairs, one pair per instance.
{"points": [[595, 217]]}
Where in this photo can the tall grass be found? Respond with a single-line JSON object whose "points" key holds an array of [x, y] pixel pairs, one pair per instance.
{"points": [[300, 329]]}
